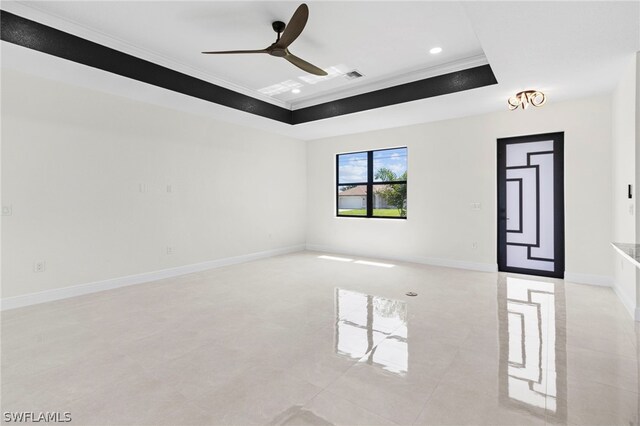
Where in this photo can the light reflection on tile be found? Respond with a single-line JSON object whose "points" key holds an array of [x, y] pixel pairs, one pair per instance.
{"points": [[379, 264], [532, 347], [299, 415], [363, 322], [299, 340], [336, 258]]}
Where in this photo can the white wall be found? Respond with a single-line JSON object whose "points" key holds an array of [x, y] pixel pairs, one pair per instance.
{"points": [[637, 146], [453, 164], [73, 161], [624, 173]]}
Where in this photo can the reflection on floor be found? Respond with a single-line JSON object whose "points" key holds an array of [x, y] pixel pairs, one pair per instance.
{"points": [[298, 415], [364, 321], [533, 352], [310, 339]]}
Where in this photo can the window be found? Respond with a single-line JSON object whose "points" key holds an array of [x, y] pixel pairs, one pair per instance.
{"points": [[372, 184]]}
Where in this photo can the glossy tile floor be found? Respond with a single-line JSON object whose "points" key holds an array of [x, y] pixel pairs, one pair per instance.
{"points": [[313, 339]]}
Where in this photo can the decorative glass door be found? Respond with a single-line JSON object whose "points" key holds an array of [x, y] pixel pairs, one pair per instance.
{"points": [[531, 205]]}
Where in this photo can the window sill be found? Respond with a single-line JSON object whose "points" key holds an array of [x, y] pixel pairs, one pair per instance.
{"points": [[375, 217]]}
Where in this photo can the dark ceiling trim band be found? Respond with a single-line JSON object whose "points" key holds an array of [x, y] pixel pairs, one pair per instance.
{"points": [[33, 35], [458, 81], [27, 33]]}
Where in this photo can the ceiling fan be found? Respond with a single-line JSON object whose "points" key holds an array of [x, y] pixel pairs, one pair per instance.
{"points": [[280, 49]]}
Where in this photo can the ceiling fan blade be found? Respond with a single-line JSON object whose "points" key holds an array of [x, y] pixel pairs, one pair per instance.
{"points": [[304, 65], [226, 52], [294, 27]]}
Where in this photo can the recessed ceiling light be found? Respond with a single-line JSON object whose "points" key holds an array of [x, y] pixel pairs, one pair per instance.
{"points": [[295, 91], [435, 50]]}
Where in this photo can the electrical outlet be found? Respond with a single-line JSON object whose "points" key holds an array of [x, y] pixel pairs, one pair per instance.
{"points": [[39, 266], [169, 188], [474, 245], [142, 187], [170, 250], [7, 210], [476, 206]]}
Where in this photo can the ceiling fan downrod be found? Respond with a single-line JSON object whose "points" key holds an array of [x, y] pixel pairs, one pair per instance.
{"points": [[278, 26]]}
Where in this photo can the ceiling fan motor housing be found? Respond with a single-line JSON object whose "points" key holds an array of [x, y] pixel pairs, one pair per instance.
{"points": [[278, 26]]}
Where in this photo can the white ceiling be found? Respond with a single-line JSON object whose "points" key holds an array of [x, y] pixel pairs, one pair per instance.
{"points": [[382, 40], [566, 49]]}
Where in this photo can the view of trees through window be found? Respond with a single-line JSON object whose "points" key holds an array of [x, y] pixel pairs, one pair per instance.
{"points": [[372, 183]]}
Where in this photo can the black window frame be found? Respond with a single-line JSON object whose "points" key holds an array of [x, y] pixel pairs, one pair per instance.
{"points": [[369, 184]]}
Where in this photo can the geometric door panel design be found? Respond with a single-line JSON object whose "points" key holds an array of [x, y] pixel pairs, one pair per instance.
{"points": [[530, 205]]}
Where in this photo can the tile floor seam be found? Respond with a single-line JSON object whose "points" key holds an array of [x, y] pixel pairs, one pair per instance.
{"points": [[429, 379], [424, 406], [607, 353], [177, 390], [106, 384], [636, 392], [353, 364], [426, 402], [373, 347], [52, 367], [363, 408], [326, 388]]}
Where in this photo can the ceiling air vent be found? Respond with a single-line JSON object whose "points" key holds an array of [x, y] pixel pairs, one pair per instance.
{"points": [[352, 75]]}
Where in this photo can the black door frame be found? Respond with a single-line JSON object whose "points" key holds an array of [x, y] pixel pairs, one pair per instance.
{"points": [[558, 199]]}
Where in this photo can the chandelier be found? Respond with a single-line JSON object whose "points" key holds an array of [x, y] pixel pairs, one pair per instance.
{"points": [[526, 98]]}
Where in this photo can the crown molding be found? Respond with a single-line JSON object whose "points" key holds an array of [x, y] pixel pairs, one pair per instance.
{"points": [[32, 12], [444, 84], [49, 40], [390, 81]]}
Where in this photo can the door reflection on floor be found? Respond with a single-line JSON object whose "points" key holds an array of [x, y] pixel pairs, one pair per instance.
{"points": [[533, 360], [372, 329]]}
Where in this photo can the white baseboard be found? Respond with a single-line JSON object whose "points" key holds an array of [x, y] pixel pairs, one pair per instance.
{"points": [[448, 263], [459, 264], [628, 303], [605, 281], [78, 290], [601, 280]]}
